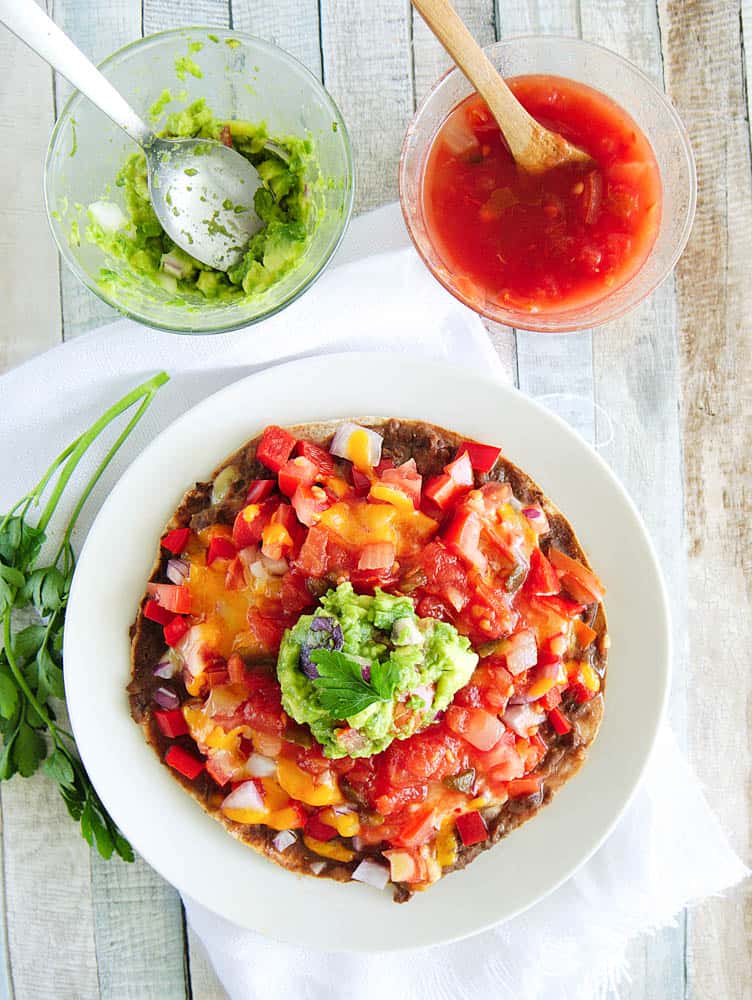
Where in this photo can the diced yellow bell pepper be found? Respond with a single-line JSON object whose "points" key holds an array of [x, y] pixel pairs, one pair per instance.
{"points": [[338, 485], [300, 785], [346, 824], [539, 688], [390, 494], [478, 803], [589, 677], [218, 739], [249, 816], [446, 844], [285, 819], [328, 849]]}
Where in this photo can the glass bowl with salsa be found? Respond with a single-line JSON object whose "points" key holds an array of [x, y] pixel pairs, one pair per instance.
{"points": [[577, 246]]}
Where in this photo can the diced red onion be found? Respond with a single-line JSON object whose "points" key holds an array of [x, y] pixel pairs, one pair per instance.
{"points": [[274, 567], [371, 873], [245, 796], [343, 810], [519, 698], [317, 867], [549, 671], [341, 441], [537, 518], [358, 843], [166, 699], [377, 555], [284, 839], [522, 653], [178, 570], [258, 766], [522, 718], [425, 692], [166, 669]]}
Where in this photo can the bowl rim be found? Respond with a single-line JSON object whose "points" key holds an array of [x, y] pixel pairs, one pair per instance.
{"points": [[349, 182], [518, 321]]}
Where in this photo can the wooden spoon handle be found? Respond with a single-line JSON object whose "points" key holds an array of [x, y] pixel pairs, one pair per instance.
{"points": [[533, 147]]}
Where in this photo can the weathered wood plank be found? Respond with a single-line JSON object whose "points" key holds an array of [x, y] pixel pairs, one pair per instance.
{"points": [[367, 70], [158, 15], [98, 30], [705, 78], [31, 314], [430, 61], [294, 26]]}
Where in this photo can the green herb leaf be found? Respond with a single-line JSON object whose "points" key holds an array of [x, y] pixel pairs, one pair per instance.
{"points": [[29, 750], [123, 848], [26, 643], [59, 768], [8, 696], [385, 677], [340, 686], [7, 763]]}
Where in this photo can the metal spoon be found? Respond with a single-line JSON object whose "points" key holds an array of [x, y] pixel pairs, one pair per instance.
{"points": [[202, 191]]}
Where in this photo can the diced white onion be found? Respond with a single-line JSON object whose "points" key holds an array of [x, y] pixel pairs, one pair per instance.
{"points": [[425, 692], [108, 215], [371, 873], [177, 571], [405, 632], [245, 796], [274, 567], [340, 445], [521, 718], [317, 867], [258, 766], [523, 652], [284, 839]]}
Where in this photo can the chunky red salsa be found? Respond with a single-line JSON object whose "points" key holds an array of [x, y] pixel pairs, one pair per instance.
{"points": [[546, 243], [464, 551]]}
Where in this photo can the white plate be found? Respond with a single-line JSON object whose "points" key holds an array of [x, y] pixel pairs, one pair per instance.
{"points": [[192, 850]]}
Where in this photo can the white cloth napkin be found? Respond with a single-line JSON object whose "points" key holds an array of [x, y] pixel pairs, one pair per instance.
{"points": [[571, 945]]}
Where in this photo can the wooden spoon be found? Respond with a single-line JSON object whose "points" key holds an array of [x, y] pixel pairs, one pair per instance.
{"points": [[533, 147]]}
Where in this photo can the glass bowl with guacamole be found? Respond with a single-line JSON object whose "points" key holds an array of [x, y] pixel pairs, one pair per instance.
{"points": [[217, 84]]}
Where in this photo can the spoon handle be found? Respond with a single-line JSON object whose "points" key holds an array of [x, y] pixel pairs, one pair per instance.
{"points": [[519, 128], [29, 23]]}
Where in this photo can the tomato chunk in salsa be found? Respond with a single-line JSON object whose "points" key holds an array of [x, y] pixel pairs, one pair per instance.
{"points": [[546, 243]]}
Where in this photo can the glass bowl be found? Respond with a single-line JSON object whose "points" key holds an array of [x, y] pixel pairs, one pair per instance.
{"points": [[624, 83], [241, 77]]}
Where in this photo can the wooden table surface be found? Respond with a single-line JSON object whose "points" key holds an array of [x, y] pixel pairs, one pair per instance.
{"points": [[672, 380]]}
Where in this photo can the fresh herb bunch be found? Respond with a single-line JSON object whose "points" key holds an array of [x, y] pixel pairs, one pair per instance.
{"points": [[342, 688], [31, 662]]}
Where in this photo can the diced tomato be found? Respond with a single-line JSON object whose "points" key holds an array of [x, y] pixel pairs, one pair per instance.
{"points": [[236, 669], [220, 548], [250, 523], [586, 580], [267, 630], [312, 558], [418, 829], [560, 605], [398, 798], [295, 595], [156, 613], [481, 729], [171, 597], [559, 721], [361, 482], [580, 693], [235, 575], [367, 580], [520, 787], [183, 762], [405, 477], [376, 555], [323, 461], [275, 447], [262, 714], [551, 698], [432, 607], [225, 136], [542, 578], [309, 503], [296, 472], [442, 490], [171, 723], [315, 827], [482, 456], [259, 490], [176, 540], [220, 767], [583, 633], [175, 630], [575, 589], [461, 470], [217, 675], [472, 828], [463, 537]]}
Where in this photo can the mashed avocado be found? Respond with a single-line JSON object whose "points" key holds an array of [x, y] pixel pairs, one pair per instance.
{"points": [[285, 203], [363, 671]]}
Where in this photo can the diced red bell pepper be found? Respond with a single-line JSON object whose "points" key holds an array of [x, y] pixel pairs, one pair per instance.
{"points": [[472, 828], [542, 578], [361, 482], [220, 548], [235, 575], [176, 540], [183, 762], [520, 787], [176, 629], [318, 829], [251, 521], [580, 693], [171, 723], [323, 461], [296, 472], [462, 536], [156, 613], [259, 490], [171, 597], [482, 456], [559, 721], [275, 447]]}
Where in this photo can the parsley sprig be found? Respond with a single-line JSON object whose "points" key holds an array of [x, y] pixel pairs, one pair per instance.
{"points": [[343, 691], [31, 663]]}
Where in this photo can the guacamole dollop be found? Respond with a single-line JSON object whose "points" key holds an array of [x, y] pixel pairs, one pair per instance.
{"points": [[374, 658], [285, 203]]}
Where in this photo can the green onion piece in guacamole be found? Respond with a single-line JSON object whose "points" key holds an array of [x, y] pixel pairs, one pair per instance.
{"points": [[362, 671]]}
